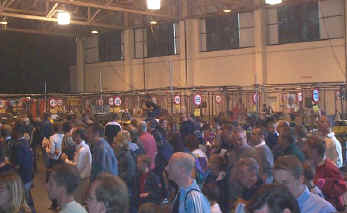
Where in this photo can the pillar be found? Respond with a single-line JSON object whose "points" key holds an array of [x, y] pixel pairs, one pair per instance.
{"points": [[80, 75], [128, 36]]}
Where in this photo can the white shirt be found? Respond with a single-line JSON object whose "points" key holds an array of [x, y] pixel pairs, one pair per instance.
{"points": [[73, 207], [334, 149], [82, 160], [55, 149], [215, 208]]}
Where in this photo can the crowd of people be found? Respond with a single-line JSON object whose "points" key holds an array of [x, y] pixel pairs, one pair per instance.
{"points": [[267, 165]]}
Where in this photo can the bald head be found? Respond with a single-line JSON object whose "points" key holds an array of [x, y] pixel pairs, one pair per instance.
{"points": [[183, 161]]}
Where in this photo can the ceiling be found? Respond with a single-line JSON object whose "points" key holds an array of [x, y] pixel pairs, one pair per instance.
{"points": [[39, 16]]}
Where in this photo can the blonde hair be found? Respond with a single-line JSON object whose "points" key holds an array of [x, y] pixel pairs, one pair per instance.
{"points": [[122, 139], [15, 187]]}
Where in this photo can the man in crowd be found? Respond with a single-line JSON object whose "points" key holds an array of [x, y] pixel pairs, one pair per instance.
{"points": [[189, 198], [104, 159], [148, 142], [112, 128], [108, 194], [61, 186], [289, 171]]}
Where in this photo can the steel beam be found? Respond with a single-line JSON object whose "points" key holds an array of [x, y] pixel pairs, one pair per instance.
{"points": [[40, 32], [42, 18], [51, 13], [112, 8]]}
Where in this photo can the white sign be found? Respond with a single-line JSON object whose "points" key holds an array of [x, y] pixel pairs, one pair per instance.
{"points": [[218, 99], [53, 102], [117, 101], [177, 99], [110, 101], [315, 95], [197, 100], [2, 104], [255, 98]]}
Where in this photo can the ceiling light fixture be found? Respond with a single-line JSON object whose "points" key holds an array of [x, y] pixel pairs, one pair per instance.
{"points": [[273, 2], [64, 17], [153, 22], [3, 21], [94, 32], [227, 11], [153, 4]]}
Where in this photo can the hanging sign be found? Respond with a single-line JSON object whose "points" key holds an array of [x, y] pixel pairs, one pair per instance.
{"points": [[177, 99], [52, 102], [2, 104], [197, 100], [110, 101], [255, 98], [117, 101], [218, 99], [197, 112], [315, 95], [299, 97]]}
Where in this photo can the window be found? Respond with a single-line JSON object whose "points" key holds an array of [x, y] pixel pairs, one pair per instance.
{"points": [[220, 33], [111, 46], [298, 22]]}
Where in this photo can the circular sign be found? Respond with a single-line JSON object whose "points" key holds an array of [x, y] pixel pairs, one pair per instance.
{"points": [[299, 97], [110, 101], [100, 102], [218, 99], [53, 102], [177, 99], [117, 101], [197, 100], [255, 98], [2, 104], [315, 95]]}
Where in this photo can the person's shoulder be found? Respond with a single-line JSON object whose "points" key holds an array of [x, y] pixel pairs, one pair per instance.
{"points": [[74, 207], [322, 204]]}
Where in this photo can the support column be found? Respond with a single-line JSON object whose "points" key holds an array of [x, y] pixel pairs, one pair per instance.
{"points": [[128, 36], [260, 75], [80, 75]]}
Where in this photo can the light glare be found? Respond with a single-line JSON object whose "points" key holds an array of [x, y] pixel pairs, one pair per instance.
{"points": [[273, 2], [64, 18], [153, 4]]}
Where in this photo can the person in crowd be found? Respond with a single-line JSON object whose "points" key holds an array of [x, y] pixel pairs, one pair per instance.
{"points": [[189, 198], [333, 146], [108, 194], [287, 146], [8, 141], [61, 186], [309, 173], [54, 148], [273, 198], [82, 161], [186, 126], [23, 161], [5, 166], [244, 182], [36, 141], [46, 128], [301, 136], [328, 177], [68, 144], [264, 154], [112, 128], [104, 159], [148, 142], [288, 170], [213, 195], [149, 186], [12, 194]]}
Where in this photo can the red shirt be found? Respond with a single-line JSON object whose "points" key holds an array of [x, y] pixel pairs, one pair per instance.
{"points": [[150, 146]]}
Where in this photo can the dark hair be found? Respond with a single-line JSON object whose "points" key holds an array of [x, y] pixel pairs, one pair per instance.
{"points": [[81, 132], [67, 126], [191, 142], [114, 116], [97, 129], [308, 171], [67, 176], [317, 144], [19, 128], [113, 193], [276, 197], [212, 192], [291, 164]]}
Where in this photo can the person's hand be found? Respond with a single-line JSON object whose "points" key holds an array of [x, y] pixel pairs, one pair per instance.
{"points": [[63, 156], [144, 195]]}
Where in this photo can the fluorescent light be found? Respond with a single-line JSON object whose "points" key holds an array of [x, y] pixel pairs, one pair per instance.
{"points": [[64, 18], [94, 32], [227, 10], [153, 22], [153, 4], [273, 2], [3, 21]]}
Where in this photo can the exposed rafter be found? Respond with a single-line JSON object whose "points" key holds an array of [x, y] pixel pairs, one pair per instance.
{"points": [[40, 32], [51, 13], [98, 11], [112, 8]]}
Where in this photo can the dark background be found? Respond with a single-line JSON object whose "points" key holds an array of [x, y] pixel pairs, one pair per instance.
{"points": [[27, 60]]}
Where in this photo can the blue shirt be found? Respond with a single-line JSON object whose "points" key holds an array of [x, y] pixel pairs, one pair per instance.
{"points": [[192, 200], [311, 203], [104, 160]]}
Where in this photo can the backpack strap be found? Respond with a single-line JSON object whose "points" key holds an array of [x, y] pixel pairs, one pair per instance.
{"points": [[185, 199]]}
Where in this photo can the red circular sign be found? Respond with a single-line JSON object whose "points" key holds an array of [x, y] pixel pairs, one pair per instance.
{"points": [[177, 99], [117, 101], [218, 99]]}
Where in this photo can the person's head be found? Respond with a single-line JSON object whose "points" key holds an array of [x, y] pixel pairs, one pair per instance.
{"points": [[149, 208], [289, 171], [122, 140], [180, 168], [239, 137], [273, 198], [63, 182], [94, 132], [164, 124], [271, 126], [315, 149], [108, 194], [247, 172], [301, 131], [324, 127], [191, 142], [257, 136], [283, 127], [78, 135], [114, 117], [12, 193], [19, 130], [6, 130], [216, 164], [144, 163], [67, 127], [142, 127]]}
